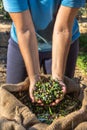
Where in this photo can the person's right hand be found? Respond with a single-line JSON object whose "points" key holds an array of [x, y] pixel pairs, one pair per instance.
{"points": [[32, 86]]}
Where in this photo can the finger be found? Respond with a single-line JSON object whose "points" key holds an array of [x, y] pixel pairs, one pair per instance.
{"points": [[31, 94], [57, 101], [64, 89], [39, 102], [52, 104]]}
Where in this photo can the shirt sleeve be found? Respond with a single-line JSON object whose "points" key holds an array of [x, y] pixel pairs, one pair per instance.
{"points": [[15, 5], [73, 3]]}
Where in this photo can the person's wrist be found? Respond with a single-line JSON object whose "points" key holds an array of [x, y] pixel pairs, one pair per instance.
{"points": [[57, 77], [61, 82], [34, 78]]}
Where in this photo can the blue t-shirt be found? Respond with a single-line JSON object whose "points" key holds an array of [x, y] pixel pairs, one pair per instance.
{"points": [[42, 12]]}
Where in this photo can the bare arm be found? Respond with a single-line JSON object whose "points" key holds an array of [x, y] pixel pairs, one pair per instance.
{"points": [[61, 43], [61, 40], [28, 45]]}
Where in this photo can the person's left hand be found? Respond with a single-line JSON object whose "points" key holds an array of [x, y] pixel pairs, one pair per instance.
{"points": [[64, 92]]}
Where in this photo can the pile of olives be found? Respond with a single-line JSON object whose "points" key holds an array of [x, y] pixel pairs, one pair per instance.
{"points": [[47, 91]]}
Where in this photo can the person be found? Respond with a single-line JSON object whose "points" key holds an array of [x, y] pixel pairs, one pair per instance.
{"points": [[30, 17]]}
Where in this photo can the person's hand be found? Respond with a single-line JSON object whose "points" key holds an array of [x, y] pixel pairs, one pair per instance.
{"points": [[33, 81], [32, 88], [63, 90]]}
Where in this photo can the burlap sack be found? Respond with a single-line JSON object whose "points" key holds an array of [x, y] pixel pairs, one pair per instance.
{"points": [[12, 109], [16, 116], [6, 124], [82, 126]]}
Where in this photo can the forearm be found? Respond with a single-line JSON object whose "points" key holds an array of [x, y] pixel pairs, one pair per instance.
{"points": [[61, 44], [27, 42], [28, 46], [61, 39]]}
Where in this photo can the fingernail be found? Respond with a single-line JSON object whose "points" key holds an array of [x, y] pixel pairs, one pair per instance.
{"points": [[57, 101], [39, 101]]}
